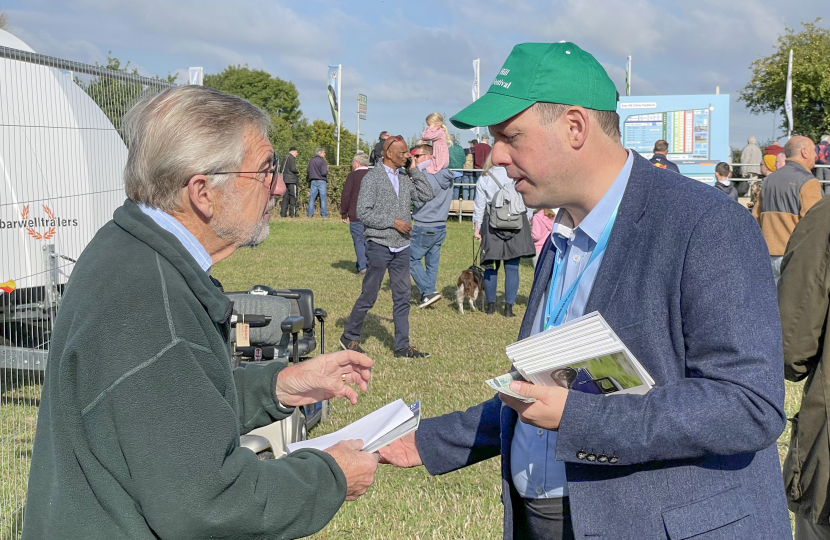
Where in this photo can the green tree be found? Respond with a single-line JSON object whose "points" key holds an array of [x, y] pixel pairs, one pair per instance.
{"points": [[272, 94], [766, 91], [114, 96]]}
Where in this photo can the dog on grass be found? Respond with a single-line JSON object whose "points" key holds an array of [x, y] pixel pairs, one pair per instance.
{"points": [[470, 283]]}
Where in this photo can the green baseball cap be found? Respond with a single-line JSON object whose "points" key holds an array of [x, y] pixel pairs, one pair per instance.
{"points": [[547, 72]]}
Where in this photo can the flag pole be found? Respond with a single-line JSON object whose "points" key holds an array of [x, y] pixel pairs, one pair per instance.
{"points": [[788, 100], [339, 79]]}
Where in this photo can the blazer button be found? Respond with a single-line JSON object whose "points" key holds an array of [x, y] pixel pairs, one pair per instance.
{"points": [[613, 459], [602, 458], [581, 454], [591, 457]]}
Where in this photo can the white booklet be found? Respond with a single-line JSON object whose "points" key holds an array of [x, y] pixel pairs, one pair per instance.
{"points": [[584, 354], [376, 429]]}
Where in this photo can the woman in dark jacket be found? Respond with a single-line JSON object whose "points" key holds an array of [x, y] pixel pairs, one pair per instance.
{"points": [[499, 245]]}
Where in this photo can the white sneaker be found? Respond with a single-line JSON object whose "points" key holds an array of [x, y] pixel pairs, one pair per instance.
{"points": [[429, 299]]}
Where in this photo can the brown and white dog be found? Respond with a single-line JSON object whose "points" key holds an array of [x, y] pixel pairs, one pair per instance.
{"points": [[469, 286]]}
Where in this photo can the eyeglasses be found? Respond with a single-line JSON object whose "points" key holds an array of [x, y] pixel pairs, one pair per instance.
{"points": [[417, 155], [267, 181]]}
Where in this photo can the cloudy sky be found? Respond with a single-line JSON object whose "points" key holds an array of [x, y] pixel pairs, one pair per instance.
{"points": [[413, 58]]}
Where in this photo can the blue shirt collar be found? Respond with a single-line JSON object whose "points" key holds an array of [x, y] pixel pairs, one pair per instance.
{"points": [[595, 221], [174, 227]]}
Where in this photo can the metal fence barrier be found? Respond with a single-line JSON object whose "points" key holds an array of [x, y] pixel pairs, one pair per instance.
{"points": [[61, 159]]}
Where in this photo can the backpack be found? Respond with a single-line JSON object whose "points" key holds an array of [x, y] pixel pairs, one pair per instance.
{"points": [[500, 216], [823, 153]]}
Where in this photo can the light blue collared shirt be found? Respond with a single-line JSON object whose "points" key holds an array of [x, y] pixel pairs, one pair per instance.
{"points": [[174, 227], [536, 473], [393, 177]]}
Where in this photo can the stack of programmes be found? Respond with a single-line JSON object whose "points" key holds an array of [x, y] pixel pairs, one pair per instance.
{"points": [[583, 354]]}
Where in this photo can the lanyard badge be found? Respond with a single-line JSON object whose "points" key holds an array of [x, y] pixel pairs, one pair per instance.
{"points": [[555, 313]]}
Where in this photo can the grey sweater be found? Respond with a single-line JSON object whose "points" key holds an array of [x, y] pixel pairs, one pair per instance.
{"points": [[378, 206]]}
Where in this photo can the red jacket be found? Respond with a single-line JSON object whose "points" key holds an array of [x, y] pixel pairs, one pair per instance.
{"points": [[480, 153]]}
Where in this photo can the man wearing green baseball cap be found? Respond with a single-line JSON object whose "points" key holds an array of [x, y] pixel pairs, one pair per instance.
{"points": [[681, 274]]}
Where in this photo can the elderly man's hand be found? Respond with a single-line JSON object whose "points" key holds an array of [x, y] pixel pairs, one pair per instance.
{"points": [[323, 377], [359, 467], [546, 411], [402, 226], [401, 453]]}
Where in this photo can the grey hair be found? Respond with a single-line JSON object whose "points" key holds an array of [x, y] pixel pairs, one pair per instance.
{"points": [[182, 132], [751, 140], [825, 138], [319, 151], [361, 159]]}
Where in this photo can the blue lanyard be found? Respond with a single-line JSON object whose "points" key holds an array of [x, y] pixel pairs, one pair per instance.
{"points": [[554, 314]]}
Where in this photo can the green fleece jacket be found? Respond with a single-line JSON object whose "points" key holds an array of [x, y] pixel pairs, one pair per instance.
{"points": [[140, 418]]}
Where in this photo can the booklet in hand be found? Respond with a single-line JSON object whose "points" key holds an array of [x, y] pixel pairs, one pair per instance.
{"points": [[376, 430], [583, 354]]}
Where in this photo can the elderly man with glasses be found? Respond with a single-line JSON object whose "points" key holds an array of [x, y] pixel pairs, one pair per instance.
{"points": [[141, 414], [383, 206]]}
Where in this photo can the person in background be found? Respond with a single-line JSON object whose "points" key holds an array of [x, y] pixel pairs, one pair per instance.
{"points": [[659, 159], [781, 160], [430, 228], [786, 196], [437, 135], [803, 293], [750, 158], [348, 208], [541, 228], [376, 155], [773, 149], [317, 173], [723, 182], [480, 153], [767, 168], [457, 158], [823, 158], [384, 206], [464, 192], [288, 205], [498, 245]]}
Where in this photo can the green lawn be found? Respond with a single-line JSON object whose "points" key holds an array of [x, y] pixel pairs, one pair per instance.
{"points": [[466, 350]]}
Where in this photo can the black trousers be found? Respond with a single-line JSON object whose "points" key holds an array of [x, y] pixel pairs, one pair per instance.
{"points": [[544, 519], [379, 259], [289, 201]]}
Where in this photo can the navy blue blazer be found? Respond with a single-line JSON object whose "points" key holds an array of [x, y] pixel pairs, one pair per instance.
{"points": [[686, 283]]}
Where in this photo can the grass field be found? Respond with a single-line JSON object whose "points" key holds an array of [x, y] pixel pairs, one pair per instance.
{"points": [[466, 350]]}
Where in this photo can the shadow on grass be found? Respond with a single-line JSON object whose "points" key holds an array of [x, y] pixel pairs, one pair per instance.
{"points": [[345, 265], [372, 327]]}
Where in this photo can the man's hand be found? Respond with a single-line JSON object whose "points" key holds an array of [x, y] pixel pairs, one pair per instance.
{"points": [[323, 377], [546, 411], [476, 234], [359, 467], [345, 220], [402, 226], [401, 453]]}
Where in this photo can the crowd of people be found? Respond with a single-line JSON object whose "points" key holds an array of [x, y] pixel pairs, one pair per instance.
{"points": [[144, 443]]}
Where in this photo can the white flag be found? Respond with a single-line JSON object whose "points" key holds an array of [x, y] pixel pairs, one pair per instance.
{"points": [[788, 100]]}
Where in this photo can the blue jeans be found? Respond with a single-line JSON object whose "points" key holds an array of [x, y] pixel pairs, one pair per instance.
{"points": [[318, 187], [467, 193], [426, 244], [359, 241], [511, 280]]}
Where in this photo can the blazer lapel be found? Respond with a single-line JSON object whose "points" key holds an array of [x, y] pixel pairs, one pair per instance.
{"points": [[624, 236]]}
